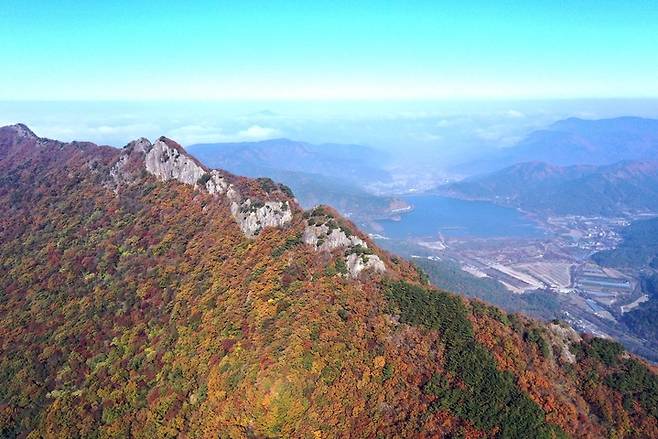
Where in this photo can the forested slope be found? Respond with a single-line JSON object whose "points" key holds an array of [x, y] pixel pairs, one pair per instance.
{"points": [[143, 295]]}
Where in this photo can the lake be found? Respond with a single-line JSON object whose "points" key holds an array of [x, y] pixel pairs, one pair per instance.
{"points": [[433, 215]]}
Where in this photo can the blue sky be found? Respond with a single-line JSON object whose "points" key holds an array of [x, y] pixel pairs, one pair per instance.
{"points": [[280, 50]]}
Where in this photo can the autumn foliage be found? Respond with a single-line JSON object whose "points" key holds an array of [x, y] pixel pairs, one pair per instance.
{"points": [[141, 310]]}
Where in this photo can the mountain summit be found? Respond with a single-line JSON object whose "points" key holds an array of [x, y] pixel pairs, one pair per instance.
{"points": [[145, 295]]}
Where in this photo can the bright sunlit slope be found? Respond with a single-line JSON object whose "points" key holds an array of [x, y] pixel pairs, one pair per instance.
{"points": [[144, 294]]}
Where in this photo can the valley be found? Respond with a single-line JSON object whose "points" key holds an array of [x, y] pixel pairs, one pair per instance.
{"points": [[556, 259], [524, 236]]}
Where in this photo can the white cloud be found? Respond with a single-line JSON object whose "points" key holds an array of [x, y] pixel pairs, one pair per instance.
{"points": [[191, 134], [257, 132]]}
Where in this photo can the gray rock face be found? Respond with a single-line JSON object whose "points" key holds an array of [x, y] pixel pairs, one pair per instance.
{"points": [[358, 263], [141, 145], [216, 184], [253, 217], [168, 163], [118, 172], [563, 337], [324, 239]]}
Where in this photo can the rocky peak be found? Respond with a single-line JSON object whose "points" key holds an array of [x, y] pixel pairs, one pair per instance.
{"points": [[22, 131], [324, 232], [253, 216], [167, 160], [13, 135], [142, 145], [18, 139]]}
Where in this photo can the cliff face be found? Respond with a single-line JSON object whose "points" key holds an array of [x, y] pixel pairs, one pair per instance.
{"points": [[167, 160], [143, 295], [323, 231]]}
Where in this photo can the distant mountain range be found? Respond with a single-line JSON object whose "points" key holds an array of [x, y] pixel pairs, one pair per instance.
{"points": [[354, 163], [575, 166], [577, 141], [580, 189], [335, 174]]}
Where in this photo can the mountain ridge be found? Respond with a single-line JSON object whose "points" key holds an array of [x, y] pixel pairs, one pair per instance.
{"points": [[133, 303], [576, 141], [328, 159], [614, 189]]}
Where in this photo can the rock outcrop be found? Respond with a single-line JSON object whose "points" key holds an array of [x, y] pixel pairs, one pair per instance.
{"points": [[562, 337], [167, 160], [120, 172], [357, 263], [22, 131], [215, 182], [324, 233], [324, 238], [254, 216]]}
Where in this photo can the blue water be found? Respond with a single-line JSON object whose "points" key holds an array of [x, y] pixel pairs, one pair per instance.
{"points": [[433, 215]]}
